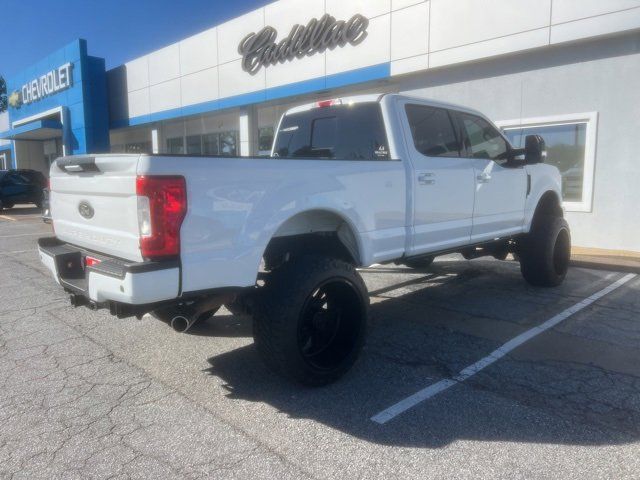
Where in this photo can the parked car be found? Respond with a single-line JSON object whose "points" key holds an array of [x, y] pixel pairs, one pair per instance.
{"points": [[351, 182], [21, 186], [46, 209]]}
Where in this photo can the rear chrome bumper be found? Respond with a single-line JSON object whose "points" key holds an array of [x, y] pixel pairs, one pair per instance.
{"points": [[112, 280]]}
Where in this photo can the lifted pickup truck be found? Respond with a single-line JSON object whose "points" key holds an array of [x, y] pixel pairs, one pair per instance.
{"points": [[351, 182]]}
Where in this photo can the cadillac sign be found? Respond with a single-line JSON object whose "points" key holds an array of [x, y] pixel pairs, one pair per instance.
{"points": [[262, 49]]}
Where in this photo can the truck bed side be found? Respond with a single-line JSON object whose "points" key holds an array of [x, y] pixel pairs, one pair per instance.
{"points": [[236, 206]]}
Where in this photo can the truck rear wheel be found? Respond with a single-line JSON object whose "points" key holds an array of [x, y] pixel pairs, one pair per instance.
{"points": [[545, 252], [311, 319]]}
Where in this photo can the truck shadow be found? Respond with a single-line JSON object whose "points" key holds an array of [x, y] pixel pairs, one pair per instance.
{"points": [[432, 326]]}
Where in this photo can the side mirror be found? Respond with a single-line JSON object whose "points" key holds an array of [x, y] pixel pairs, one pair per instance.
{"points": [[535, 150]]}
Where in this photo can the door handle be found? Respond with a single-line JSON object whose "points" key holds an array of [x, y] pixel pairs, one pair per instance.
{"points": [[426, 179], [484, 178]]}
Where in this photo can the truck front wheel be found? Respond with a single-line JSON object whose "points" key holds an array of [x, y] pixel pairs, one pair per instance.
{"points": [[310, 321], [545, 253]]}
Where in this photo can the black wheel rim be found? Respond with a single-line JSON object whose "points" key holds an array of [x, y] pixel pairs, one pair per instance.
{"points": [[330, 324], [562, 253]]}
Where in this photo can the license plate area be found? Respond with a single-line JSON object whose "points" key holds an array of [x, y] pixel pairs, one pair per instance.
{"points": [[70, 265]]}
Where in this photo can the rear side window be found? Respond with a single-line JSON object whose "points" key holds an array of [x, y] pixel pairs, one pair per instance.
{"points": [[339, 132], [18, 179], [35, 177], [432, 131], [483, 140]]}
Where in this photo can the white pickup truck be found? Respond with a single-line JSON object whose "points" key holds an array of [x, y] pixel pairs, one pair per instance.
{"points": [[350, 182]]}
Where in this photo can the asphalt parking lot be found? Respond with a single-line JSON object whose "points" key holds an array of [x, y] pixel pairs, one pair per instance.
{"points": [[84, 395]]}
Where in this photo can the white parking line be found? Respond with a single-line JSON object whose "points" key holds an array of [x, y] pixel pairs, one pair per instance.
{"points": [[4, 217], [21, 235], [431, 391]]}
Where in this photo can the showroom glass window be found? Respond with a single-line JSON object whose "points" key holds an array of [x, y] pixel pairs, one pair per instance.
{"points": [[210, 144], [224, 144], [138, 147], [228, 142], [265, 140], [432, 131], [194, 145], [175, 146], [566, 145]]}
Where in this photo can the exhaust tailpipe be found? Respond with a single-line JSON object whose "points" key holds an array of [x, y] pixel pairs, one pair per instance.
{"points": [[182, 323], [184, 317]]}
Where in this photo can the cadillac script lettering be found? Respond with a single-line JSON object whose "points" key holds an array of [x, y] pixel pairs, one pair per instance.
{"points": [[262, 49]]}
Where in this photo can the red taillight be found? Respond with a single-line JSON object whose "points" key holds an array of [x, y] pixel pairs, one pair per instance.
{"points": [[328, 103], [162, 206], [91, 261]]}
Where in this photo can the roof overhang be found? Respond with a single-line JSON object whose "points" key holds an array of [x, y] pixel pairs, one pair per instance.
{"points": [[37, 130]]}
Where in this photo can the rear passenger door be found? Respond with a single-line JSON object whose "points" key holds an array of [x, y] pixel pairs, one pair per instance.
{"points": [[501, 187], [443, 179]]}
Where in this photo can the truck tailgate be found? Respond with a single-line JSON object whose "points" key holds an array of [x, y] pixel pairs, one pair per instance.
{"points": [[94, 204]]}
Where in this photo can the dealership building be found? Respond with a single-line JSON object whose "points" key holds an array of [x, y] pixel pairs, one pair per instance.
{"points": [[568, 70]]}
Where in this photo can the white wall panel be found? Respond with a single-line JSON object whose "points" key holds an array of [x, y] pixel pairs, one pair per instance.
{"points": [[4, 122], [200, 87], [137, 73], [138, 103], [345, 9], [231, 33], [295, 71], [374, 50], [164, 96], [199, 52], [412, 35], [568, 10], [410, 32], [490, 48], [595, 26], [283, 15], [398, 4], [409, 65], [462, 22], [164, 64], [235, 81]]}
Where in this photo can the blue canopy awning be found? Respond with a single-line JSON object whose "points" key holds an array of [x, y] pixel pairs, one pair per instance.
{"points": [[37, 130]]}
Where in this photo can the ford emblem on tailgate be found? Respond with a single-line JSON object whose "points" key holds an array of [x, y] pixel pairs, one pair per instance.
{"points": [[86, 210]]}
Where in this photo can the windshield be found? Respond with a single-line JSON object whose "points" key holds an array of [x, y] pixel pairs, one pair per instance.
{"points": [[344, 132]]}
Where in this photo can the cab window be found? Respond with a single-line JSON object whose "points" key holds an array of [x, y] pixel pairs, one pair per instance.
{"points": [[482, 140], [432, 131], [338, 132]]}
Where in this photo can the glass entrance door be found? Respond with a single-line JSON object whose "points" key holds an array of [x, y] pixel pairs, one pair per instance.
{"points": [[52, 150]]}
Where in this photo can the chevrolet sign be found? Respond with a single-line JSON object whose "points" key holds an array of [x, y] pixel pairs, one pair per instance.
{"points": [[48, 84]]}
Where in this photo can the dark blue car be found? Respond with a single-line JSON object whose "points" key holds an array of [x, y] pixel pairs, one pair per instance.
{"points": [[21, 186]]}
